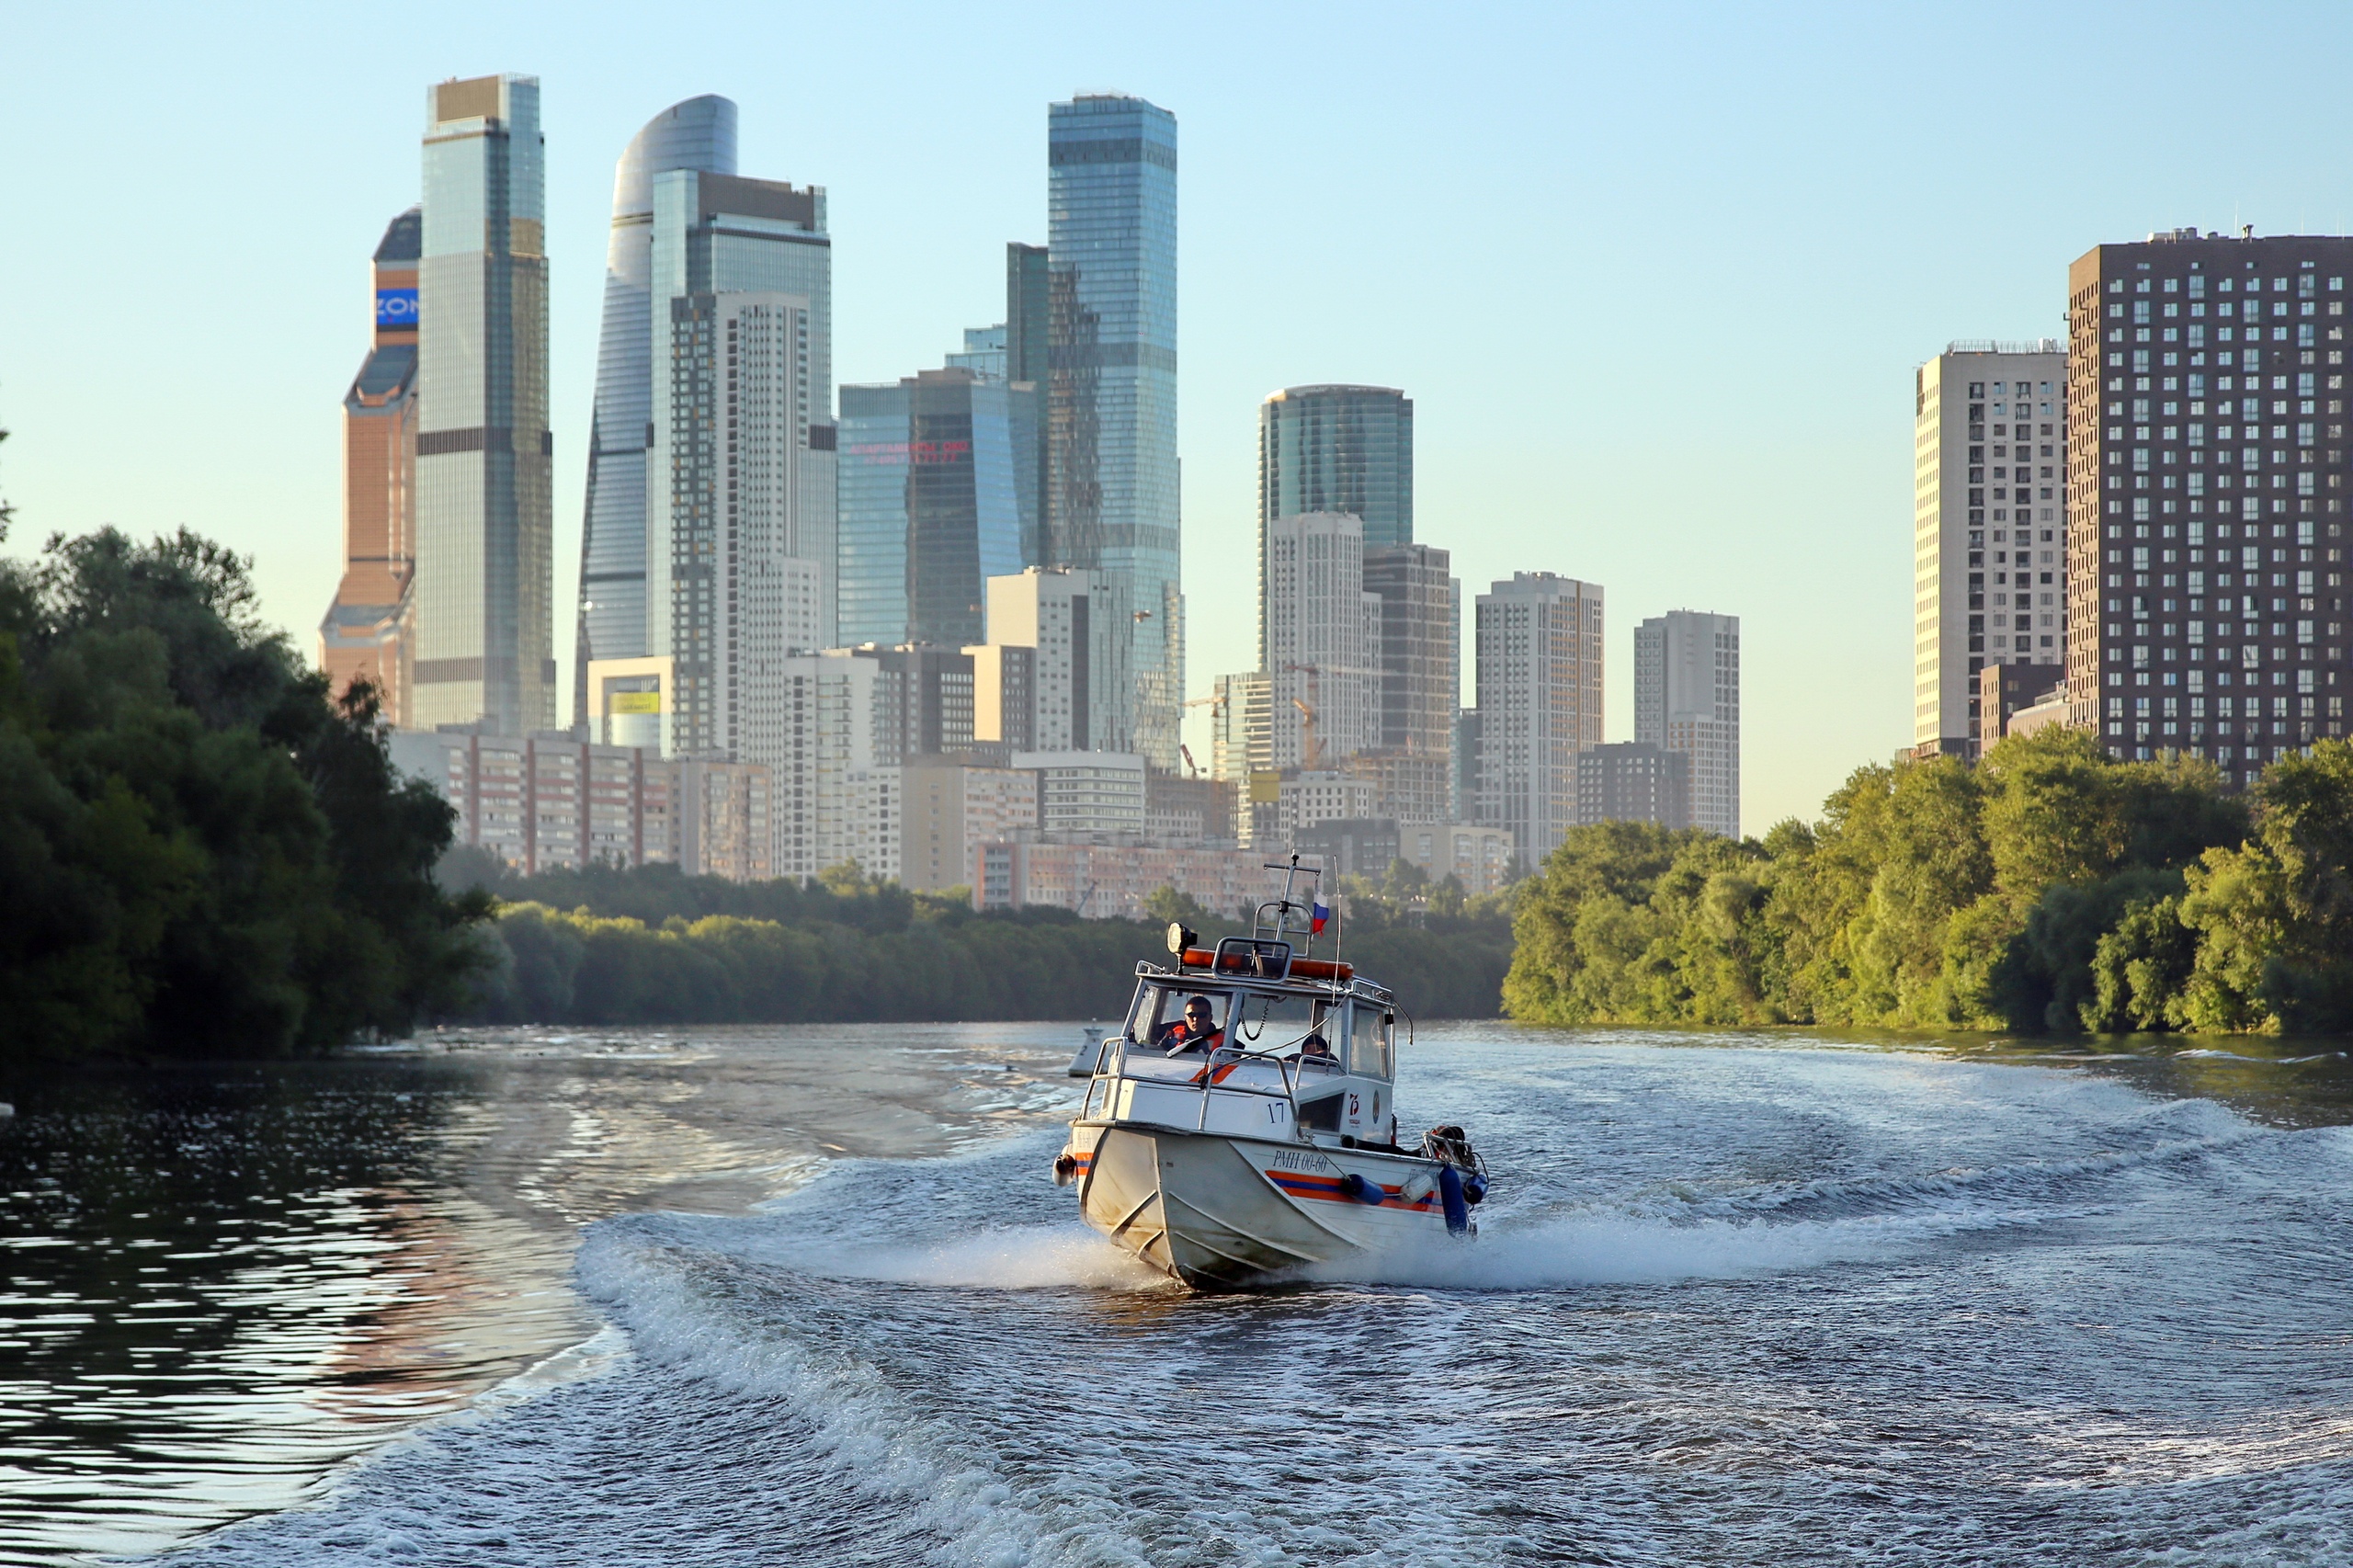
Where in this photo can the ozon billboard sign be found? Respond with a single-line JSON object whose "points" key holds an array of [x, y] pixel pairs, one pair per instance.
{"points": [[396, 307]]}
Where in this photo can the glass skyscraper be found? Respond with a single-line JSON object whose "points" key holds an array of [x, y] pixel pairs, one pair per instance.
{"points": [[1112, 502], [697, 135], [1335, 448], [935, 501], [485, 572]]}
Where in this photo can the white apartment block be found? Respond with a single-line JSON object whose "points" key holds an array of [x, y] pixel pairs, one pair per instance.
{"points": [[1316, 795], [1088, 794], [1686, 699], [1322, 639], [1989, 517], [1077, 622], [1538, 677], [837, 785]]}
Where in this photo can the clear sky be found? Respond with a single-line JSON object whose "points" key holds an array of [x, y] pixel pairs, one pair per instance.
{"points": [[1655, 276]]}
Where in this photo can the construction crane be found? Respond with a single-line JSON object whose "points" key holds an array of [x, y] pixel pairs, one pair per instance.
{"points": [[1312, 752], [1216, 704]]}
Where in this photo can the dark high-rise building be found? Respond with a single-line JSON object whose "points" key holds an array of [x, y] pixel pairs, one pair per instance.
{"points": [[1337, 449], [1025, 313], [1634, 781], [1112, 504], [368, 630], [2206, 495], [2004, 688], [697, 135], [486, 566], [932, 503], [1421, 623]]}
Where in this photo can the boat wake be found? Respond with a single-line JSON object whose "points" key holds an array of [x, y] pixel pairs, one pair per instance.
{"points": [[2063, 1326]]}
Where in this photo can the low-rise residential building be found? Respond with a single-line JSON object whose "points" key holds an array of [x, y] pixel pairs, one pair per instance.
{"points": [[1361, 847], [1313, 795], [1103, 882], [546, 801], [2003, 687], [954, 806], [1476, 854]]}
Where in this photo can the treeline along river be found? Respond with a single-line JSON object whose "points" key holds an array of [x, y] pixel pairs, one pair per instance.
{"points": [[807, 1294]]}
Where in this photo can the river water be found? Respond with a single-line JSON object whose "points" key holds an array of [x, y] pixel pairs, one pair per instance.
{"points": [[808, 1296]]}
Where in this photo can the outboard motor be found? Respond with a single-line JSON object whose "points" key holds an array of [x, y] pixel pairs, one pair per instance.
{"points": [[1450, 1196]]}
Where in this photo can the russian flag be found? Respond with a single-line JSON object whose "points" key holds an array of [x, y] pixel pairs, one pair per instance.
{"points": [[1318, 916]]}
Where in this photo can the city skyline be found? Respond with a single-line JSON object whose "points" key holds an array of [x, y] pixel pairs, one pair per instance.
{"points": [[1533, 388]]}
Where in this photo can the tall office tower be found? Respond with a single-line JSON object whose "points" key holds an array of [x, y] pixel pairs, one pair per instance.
{"points": [[740, 518], [1112, 504], [936, 499], [1078, 622], [1968, 609], [1337, 449], [1025, 313], [1026, 333], [1323, 641], [2206, 501], [1421, 643], [697, 135], [1686, 699], [485, 568], [366, 630], [1539, 642]]}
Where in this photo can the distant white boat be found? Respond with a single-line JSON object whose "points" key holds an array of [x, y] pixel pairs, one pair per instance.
{"points": [[1242, 1124]]}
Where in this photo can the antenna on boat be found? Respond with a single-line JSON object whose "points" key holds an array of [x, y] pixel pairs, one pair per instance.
{"points": [[1285, 904]]}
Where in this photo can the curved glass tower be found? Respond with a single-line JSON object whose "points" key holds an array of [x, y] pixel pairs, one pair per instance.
{"points": [[698, 134]]}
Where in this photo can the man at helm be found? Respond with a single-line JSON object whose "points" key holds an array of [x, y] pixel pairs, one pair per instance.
{"points": [[1196, 1030]]}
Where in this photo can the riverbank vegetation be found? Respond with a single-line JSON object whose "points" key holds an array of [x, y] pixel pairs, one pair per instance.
{"points": [[2046, 889], [201, 853], [605, 945]]}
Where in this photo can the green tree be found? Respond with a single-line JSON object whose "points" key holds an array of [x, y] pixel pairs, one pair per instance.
{"points": [[204, 854]]}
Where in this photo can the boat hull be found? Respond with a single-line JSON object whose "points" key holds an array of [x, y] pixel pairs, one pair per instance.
{"points": [[1221, 1212]]}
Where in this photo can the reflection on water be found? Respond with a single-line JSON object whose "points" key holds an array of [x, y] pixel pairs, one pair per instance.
{"points": [[222, 1282]]}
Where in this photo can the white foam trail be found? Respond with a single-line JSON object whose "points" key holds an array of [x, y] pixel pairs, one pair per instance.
{"points": [[1032, 1257], [1616, 1250]]}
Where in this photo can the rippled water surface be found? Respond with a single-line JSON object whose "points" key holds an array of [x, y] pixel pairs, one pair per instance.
{"points": [[809, 1297]]}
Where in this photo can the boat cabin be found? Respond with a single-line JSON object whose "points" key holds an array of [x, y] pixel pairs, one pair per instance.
{"points": [[1293, 1047]]}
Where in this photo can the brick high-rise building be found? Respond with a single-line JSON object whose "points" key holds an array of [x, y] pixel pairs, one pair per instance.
{"points": [[2206, 495], [1988, 527], [369, 629]]}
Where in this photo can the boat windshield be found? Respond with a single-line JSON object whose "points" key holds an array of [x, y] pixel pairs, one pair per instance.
{"points": [[1269, 1022], [1160, 1009]]}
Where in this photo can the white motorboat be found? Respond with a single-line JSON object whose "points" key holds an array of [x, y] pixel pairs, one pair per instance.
{"points": [[1242, 1126]]}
